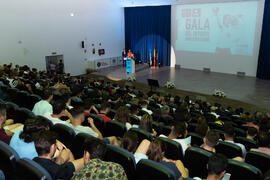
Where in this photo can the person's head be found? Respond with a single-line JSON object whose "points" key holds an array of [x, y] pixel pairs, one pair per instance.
{"points": [[59, 106], [94, 149], [105, 107], [263, 139], [144, 104], [165, 110], [45, 144], [217, 165], [179, 130], [78, 115], [122, 115], [228, 131], [134, 109], [211, 139], [156, 150], [3, 113], [202, 126], [130, 141], [146, 123], [252, 132], [47, 94], [31, 127], [213, 109]]}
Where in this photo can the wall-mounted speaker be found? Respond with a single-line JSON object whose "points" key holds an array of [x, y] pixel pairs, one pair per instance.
{"points": [[82, 44]]}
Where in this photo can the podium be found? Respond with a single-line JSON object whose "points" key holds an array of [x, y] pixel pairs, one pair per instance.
{"points": [[130, 67]]}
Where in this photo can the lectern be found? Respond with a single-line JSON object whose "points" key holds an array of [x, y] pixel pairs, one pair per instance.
{"points": [[130, 67]]}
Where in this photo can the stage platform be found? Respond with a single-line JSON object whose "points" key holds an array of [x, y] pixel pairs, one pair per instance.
{"points": [[246, 89]]}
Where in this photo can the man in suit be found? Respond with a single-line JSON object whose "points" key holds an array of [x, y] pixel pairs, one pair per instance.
{"points": [[124, 56]]}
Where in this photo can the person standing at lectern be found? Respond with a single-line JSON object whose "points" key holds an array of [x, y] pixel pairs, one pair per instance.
{"points": [[130, 55], [124, 57]]}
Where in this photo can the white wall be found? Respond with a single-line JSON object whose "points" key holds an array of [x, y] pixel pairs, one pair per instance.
{"points": [[45, 26], [224, 64]]}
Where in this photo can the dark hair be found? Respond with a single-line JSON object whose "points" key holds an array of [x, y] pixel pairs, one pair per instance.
{"points": [[212, 138], [156, 150], [229, 129], [3, 109], [144, 103], [217, 164], [133, 108], [105, 105], [44, 141], [76, 111], [95, 147], [32, 126], [202, 126], [59, 106], [165, 109], [87, 103], [122, 115], [264, 139], [252, 131], [47, 93], [146, 123], [130, 141], [179, 129]]}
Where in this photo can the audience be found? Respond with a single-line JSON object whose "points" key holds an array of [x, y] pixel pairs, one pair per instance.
{"points": [[94, 166], [134, 111], [263, 142], [144, 106], [122, 115], [42, 107], [104, 110], [130, 141], [251, 133], [146, 124], [3, 133], [202, 127]]}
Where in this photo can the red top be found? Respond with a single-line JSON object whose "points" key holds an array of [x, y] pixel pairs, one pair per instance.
{"points": [[4, 137], [106, 118], [129, 54]]}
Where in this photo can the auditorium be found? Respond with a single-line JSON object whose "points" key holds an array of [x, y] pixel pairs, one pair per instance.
{"points": [[135, 90]]}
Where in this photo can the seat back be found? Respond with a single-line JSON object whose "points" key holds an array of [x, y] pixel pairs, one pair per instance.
{"points": [[147, 169], [122, 157], [11, 110], [240, 132], [142, 134], [220, 132], [259, 160], [27, 169], [248, 143], [111, 114], [32, 100], [195, 161], [196, 139], [191, 127], [115, 128], [134, 120], [165, 130], [77, 145], [241, 170], [8, 160], [22, 98], [65, 134], [228, 149], [213, 125], [174, 149], [98, 121], [22, 114]]}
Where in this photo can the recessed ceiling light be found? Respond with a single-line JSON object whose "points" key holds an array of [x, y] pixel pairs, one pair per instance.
{"points": [[71, 14]]}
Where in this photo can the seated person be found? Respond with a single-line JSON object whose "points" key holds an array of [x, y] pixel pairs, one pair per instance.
{"points": [[59, 110], [46, 148], [263, 142], [95, 167], [216, 166], [146, 124], [89, 106], [144, 106], [202, 127], [122, 115], [42, 107], [165, 117], [178, 134], [210, 141], [5, 136], [134, 111], [129, 141], [251, 133], [104, 110], [229, 137], [250, 122]]}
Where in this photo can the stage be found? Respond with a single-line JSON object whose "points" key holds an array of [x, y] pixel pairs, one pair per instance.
{"points": [[247, 89]]}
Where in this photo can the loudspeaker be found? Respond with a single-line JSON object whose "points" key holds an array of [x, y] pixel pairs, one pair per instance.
{"points": [[82, 44]]}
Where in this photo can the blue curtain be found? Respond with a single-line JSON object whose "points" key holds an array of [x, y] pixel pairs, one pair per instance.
{"points": [[263, 70], [147, 28]]}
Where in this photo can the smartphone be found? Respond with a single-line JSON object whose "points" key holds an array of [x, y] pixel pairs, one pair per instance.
{"points": [[227, 176]]}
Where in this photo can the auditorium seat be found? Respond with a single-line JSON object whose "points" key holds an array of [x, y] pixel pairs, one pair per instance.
{"points": [[248, 143], [173, 149], [240, 170], [77, 145], [195, 161], [191, 127], [8, 159], [142, 134], [213, 125], [22, 98], [134, 120], [111, 114], [115, 128], [228, 149], [11, 110], [220, 132], [147, 169], [259, 160], [47, 121], [196, 139], [240, 132], [12, 94], [165, 130], [32, 100], [22, 114], [122, 157], [27, 169], [66, 134]]}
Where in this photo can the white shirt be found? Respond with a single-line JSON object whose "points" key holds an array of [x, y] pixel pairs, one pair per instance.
{"points": [[244, 151], [215, 114], [182, 142], [85, 129], [56, 120], [42, 107], [148, 111]]}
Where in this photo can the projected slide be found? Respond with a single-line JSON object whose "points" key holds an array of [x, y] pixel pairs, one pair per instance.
{"points": [[227, 28]]}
